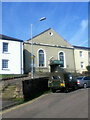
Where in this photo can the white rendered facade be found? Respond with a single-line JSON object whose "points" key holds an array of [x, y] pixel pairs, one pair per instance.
{"points": [[81, 58], [11, 60]]}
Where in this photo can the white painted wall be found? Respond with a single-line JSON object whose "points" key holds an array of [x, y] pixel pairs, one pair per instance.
{"points": [[79, 59], [14, 55]]}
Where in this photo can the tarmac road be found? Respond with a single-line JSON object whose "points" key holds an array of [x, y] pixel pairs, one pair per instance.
{"points": [[54, 105]]}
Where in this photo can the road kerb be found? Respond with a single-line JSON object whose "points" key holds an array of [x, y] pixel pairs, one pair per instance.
{"points": [[21, 105]]}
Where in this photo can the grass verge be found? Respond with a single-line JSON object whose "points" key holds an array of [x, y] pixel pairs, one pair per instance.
{"points": [[8, 76], [21, 100]]}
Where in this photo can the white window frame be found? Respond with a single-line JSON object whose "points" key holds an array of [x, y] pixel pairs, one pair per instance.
{"points": [[38, 58], [64, 58]]}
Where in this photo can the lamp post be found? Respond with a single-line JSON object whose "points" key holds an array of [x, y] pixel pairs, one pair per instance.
{"points": [[32, 57]]}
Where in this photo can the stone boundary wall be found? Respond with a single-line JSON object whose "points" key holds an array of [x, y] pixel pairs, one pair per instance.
{"points": [[33, 87], [23, 88]]}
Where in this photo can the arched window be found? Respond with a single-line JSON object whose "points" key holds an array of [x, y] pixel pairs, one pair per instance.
{"points": [[41, 58], [61, 58]]}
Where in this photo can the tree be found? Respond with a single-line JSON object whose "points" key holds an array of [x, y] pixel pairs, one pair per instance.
{"points": [[88, 68]]}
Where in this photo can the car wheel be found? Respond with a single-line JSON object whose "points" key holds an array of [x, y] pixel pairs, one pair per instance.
{"points": [[85, 85], [76, 87], [62, 90], [53, 90], [66, 90]]}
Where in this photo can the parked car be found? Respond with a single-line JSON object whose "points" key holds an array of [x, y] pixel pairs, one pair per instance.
{"points": [[62, 81], [83, 81]]}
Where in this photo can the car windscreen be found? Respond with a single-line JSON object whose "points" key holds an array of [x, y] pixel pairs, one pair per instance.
{"points": [[80, 78], [55, 77], [87, 78]]}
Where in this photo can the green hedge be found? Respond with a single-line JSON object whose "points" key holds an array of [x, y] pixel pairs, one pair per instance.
{"points": [[6, 76]]}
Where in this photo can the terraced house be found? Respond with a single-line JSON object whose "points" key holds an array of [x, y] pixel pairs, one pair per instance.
{"points": [[11, 55], [48, 46], [82, 58]]}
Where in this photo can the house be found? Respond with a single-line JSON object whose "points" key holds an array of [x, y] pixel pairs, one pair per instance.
{"points": [[82, 58], [48, 46], [11, 55]]}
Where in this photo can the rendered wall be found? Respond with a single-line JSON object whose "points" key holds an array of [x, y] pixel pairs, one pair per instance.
{"points": [[14, 57]]}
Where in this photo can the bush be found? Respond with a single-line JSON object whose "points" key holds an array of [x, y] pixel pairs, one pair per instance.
{"points": [[88, 67]]}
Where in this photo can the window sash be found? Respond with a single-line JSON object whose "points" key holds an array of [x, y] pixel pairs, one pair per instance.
{"points": [[41, 58], [4, 64], [5, 47], [80, 53], [61, 58], [89, 54], [82, 65]]}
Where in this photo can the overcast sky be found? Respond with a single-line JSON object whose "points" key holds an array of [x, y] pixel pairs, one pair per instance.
{"points": [[69, 20]]}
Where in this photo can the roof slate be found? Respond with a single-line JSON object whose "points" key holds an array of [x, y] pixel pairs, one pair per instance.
{"points": [[81, 47], [4, 37]]}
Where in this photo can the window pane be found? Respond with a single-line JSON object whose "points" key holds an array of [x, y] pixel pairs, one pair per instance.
{"points": [[4, 63], [89, 54], [82, 65], [61, 57], [5, 47], [61, 53], [41, 58], [80, 53]]}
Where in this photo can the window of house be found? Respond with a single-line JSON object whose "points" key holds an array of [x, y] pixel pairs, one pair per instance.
{"points": [[61, 58], [88, 54], [82, 65], [81, 54], [5, 47], [4, 64], [51, 33], [41, 58]]}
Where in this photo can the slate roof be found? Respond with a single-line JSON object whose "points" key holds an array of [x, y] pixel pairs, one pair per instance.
{"points": [[80, 47], [4, 37]]}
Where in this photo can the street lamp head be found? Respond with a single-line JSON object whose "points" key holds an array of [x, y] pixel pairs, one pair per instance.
{"points": [[43, 18]]}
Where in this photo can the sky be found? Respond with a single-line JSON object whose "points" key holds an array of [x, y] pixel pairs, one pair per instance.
{"points": [[68, 19]]}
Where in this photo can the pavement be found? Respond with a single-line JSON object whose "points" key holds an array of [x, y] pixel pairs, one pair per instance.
{"points": [[6, 103], [53, 105]]}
